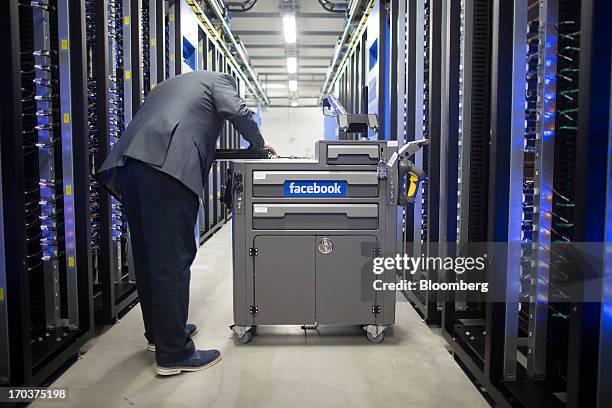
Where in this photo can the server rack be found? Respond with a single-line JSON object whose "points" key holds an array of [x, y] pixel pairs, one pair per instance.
{"points": [[123, 66], [547, 161], [467, 182], [47, 268], [423, 44]]}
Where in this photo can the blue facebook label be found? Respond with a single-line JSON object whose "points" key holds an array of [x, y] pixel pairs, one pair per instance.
{"points": [[320, 188]]}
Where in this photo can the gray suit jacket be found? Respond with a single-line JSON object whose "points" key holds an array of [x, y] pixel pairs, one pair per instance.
{"points": [[176, 129]]}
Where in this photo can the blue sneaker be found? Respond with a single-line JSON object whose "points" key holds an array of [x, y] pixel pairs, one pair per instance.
{"points": [[199, 360], [193, 329]]}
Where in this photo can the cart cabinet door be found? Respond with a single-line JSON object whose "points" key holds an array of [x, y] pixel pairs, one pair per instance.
{"points": [[284, 279], [344, 279]]}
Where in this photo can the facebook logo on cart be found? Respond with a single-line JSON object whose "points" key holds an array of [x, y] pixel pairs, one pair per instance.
{"points": [[315, 188]]}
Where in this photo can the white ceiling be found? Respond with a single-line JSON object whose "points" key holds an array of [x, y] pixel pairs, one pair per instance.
{"points": [[261, 31]]}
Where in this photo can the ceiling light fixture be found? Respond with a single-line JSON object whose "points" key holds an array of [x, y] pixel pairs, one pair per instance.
{"points": [[292, 65], [289, 28], [274, 86]]}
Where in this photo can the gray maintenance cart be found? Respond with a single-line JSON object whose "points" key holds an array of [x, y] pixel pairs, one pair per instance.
{"points": [[305, 233]]}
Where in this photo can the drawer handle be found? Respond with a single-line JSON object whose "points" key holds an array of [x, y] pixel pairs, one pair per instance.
{"points": [[326, 246]]}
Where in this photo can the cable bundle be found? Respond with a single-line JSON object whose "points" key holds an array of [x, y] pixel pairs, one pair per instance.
{"points": [[566, 123], [460, 127], [146, 49], [30, 140], [167, 46], [92, 126], [532, 119], [116, 102], [567, 127]]}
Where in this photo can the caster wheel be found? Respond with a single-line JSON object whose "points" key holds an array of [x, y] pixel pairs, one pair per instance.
{"points": [[377, 339], [246, 338]]}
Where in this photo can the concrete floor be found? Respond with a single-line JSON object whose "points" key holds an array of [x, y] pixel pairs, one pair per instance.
{"points": [[281, 367]]}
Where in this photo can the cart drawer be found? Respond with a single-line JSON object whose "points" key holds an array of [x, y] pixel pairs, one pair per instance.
{"points": [[286, 183], [353, 154], [315, 216]]}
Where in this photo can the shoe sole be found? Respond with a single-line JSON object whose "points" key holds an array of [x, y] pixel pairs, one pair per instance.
{"points": [[163, 371], [151, 347]]}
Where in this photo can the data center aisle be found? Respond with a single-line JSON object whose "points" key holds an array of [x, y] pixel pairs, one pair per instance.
{"points": [[279, 368]]}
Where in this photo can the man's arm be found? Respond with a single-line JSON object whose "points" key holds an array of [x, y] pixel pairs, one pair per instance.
{"points": [[232, 107]]}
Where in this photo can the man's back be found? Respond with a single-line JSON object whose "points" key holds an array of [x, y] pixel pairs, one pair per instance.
{"points": [[176, 128]]}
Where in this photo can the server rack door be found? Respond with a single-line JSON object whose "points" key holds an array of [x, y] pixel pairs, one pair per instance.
{"points": [[284, 295], [344, 279]]}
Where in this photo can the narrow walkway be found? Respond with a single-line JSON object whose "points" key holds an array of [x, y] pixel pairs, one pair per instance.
{"points": [[281, 367]]}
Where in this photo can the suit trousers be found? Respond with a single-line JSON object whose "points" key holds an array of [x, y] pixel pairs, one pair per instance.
{"points": [[161, 214]]}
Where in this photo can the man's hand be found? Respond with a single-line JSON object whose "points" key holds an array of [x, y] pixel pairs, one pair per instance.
{"points": [[271, 148]]}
